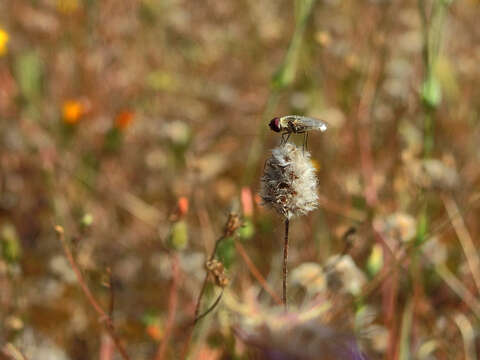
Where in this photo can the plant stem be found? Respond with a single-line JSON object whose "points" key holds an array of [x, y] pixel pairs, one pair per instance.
{"points": [[285, 263], [104, 317], [256, 273], [172, 308], [205, 280]]}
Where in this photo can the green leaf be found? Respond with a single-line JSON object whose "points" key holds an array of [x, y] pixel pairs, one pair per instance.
{"points": [[11, 247], [159, 80], [247, 230], [178, 237], [113, 140], [431, 91], [226, 251], [148, 11], [286, 73], [375, 260], [29, 74], [422, 228], [87, 220], [406, 333], [150, 317]]}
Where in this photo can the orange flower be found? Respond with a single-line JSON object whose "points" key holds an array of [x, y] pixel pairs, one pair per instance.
{"points": [[72, 111], [124, 119], [155, 332], [182, 205], [181, 210]]}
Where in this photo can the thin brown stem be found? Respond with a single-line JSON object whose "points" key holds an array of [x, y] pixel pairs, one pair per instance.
{"points": [[111, 305], [199, 299], [233, 223], [398, 264], [256, 273], [285, 263], [106, 319], [468, 246], [172, 308], [205, 280], [211, 308], [230, 228]]}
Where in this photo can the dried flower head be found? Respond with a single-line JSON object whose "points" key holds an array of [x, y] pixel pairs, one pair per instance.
{"points": [[289, 183], [233, 223], [305, 341], [344, 276], [398, 227], [273, 334], [310, 276], [216, 269]]}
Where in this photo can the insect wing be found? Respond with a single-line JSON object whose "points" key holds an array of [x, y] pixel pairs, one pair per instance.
{"points": [[313, 124]]}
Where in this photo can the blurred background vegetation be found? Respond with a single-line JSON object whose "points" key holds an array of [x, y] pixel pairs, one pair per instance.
{"points": [[140, 125]]}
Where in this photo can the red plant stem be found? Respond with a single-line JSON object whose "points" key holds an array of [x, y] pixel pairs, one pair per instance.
{"points": [[106, 348], [81, 281], [106, 319], [172, 308], [390, 292], [186, 345], [111, 304], [256, 273]]}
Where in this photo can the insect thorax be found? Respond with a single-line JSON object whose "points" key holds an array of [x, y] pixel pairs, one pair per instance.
{"points": [[295, 127]]}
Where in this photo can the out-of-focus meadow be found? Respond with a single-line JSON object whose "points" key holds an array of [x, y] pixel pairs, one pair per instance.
{"points": [[140, 127]]}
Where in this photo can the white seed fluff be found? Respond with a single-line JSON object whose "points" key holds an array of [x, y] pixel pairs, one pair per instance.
{"points": [[289, 183]]}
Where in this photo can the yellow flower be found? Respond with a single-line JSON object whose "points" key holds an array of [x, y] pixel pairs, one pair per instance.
{"points": [[67, 7], [3, 42], [72, 111]]}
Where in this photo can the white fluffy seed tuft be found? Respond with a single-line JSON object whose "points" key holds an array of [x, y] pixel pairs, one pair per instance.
{"points": [[289, 183]]}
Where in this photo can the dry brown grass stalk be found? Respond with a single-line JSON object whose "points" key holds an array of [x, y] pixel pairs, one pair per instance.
{"points": [[105, 318]]}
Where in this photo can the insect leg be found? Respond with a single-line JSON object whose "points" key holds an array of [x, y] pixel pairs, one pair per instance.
{"points": [[288, 137], [305, 139], [285, 137]]}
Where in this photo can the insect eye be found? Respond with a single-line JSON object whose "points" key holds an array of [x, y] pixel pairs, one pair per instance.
{"points": [[275, 124]]}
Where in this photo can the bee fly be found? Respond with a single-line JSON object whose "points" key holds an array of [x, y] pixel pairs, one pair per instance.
{"points": [[296, 124]]}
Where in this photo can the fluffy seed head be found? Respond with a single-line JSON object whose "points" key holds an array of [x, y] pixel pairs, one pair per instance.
{"points": [[289, 183]]}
